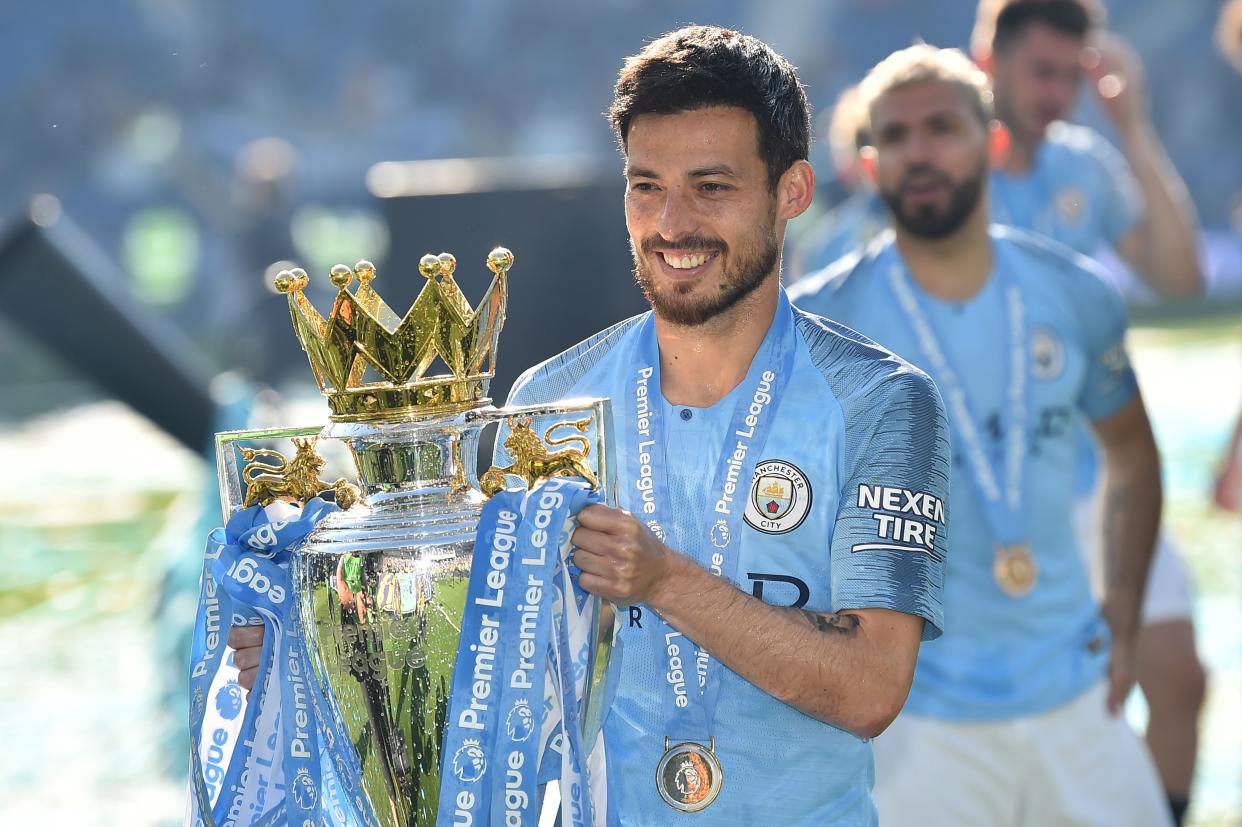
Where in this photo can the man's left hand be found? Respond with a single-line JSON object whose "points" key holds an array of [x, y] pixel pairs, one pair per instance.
{"points": [[1117, 76], [621, 560]]}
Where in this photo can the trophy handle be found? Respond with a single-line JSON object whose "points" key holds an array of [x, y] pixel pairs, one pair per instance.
{"points": [[591, 422], [535, 434], [229, 471]]}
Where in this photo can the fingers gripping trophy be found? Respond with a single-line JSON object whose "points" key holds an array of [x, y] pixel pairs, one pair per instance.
{"points": [[428, 658]]}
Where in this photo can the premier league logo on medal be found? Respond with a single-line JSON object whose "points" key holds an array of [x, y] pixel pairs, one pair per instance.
{"points": [[520, 723], [780, 497], [688, 777], [469, 762]]}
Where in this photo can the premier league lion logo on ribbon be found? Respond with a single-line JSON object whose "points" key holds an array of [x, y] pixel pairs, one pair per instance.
{"points": [[304, 791], [469, 762], [229, 700], [520, 723]]}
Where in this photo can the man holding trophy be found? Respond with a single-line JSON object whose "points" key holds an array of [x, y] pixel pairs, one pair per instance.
{"points": [[781, 554], [779, 551]]}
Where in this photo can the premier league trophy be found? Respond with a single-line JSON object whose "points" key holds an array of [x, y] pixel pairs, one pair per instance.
{"points": [[380, 597]]}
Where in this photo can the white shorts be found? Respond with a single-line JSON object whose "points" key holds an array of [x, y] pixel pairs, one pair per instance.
{"points": [[1073, 766], [1168, 596]]}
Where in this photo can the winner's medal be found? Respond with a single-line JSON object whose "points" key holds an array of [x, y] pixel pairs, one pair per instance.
{"points": [[689, 776], [1015, 569], [1000, 489]]}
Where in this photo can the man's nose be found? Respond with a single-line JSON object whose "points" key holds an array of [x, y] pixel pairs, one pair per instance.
{"points": [[917, 148], [677, 216]]}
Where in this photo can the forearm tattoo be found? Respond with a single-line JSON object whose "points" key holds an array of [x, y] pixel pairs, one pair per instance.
{"points": [[834, 623]]}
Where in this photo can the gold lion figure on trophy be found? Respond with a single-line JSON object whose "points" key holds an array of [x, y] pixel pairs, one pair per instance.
{"points": [[535, 463], [296, 479]]}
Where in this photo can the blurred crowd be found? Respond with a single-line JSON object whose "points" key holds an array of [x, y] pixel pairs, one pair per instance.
{"points": [[200, 144]]}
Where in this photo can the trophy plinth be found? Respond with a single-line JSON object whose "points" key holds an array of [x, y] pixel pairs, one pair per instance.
{"points": [[381, 586]]}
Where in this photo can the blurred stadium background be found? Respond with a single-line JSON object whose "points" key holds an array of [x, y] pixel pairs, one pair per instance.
{"points": [[162, 158]]}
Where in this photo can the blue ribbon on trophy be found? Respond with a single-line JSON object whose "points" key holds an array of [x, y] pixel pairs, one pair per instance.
{"points": [[281, 758], [517, 682]]}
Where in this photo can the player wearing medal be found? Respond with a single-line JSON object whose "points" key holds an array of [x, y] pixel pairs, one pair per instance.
{"points": [[780, 549], [1065, 181], [1012, 719]]}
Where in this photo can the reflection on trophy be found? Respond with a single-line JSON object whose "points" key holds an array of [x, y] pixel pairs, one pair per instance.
{"points": [[381, 584]]}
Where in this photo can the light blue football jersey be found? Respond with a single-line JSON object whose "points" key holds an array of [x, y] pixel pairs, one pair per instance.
{"points": [[854, 425], [1079, 191], [1003, 657]]}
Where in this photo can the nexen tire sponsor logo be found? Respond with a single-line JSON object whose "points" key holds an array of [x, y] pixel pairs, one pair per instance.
{"points": [[906, 520]]}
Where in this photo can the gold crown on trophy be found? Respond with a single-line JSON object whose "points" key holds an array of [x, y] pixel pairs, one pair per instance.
{"points": [[372, 364]]}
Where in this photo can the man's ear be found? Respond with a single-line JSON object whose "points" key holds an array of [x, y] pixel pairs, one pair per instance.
{"points": [[999, 143], [866, 160], [795, 190], [985, 61]]}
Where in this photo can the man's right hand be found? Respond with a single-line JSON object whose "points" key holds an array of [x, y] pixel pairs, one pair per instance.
{"points": [[247, 645]]}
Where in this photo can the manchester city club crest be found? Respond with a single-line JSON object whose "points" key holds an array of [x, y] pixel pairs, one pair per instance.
{"points": [[1047, 354], [520, 723], [469, 762], [780, 497]]}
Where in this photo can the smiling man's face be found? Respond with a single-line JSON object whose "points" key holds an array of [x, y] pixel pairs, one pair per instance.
{"points": [[702, 218]]}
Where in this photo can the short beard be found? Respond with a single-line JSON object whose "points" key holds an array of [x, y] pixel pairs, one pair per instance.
{"points": [[929, 224], [738, 281]]}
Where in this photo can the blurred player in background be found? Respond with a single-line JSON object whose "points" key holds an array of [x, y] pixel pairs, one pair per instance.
{"points": [[1067, 182], [1013, 718]]}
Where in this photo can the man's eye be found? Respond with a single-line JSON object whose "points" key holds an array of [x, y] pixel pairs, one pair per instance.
{"points": [[713, 186], [642, 186]]}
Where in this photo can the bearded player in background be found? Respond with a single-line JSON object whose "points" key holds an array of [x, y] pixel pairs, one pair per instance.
{"points": [[1067, 182]]}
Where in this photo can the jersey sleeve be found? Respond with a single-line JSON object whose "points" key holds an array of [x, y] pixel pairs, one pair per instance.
{"points": [[1121, 199], [1110, 382], [890, 540]]}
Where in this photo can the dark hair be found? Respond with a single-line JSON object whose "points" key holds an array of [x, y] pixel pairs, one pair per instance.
{"points": [[1073, 18], [701, 66]]}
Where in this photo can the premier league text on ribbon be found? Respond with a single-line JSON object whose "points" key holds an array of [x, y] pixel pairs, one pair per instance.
{"points": [[527, 602], [761, 399], [485, 650], [642, 421]]}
